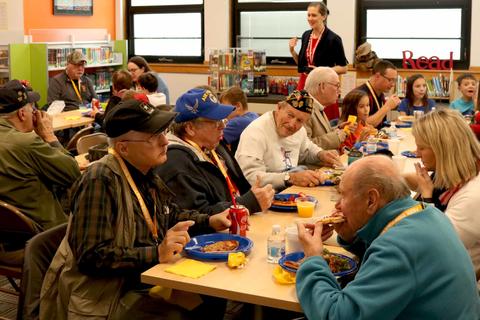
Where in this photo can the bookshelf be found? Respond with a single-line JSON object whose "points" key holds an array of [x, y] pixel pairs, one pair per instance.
{"points": [[241, 67], [4, 65], [38, 62]]}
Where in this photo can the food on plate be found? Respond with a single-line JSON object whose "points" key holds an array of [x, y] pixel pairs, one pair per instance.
{"points": [[406, 118], [221, 246], [381, 134], [333, 176], [332, 219], [289, 202], [335, 262]]}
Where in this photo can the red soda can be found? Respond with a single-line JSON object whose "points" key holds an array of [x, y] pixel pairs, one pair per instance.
{"points": [[239, 217]]}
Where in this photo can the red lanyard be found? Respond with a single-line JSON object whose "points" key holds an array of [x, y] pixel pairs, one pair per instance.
{"points": [[312, 47]]}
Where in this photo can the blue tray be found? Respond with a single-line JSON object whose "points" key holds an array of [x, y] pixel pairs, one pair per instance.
{"points": [[287, 197], [409, 154], [195, 245], [295, 256]]}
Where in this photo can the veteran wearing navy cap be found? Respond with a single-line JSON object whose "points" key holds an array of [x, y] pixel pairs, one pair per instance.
{"points": [[276, 148], [32, 160], [123, 222], [200, 170]]}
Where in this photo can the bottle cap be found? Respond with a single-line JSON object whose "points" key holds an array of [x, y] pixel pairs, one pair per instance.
{"points": [[276, 228]]}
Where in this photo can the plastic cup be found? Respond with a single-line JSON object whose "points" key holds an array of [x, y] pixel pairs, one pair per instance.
{"points": [[394, 145], [399, 161], [293, 244], [305, 207]]}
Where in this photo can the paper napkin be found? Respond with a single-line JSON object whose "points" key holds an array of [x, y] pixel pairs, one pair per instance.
{"points": [[191, 268]]}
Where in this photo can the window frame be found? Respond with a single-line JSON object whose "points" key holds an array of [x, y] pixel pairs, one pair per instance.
{"points": [[191, 8], [465, 5], [238, 8]]}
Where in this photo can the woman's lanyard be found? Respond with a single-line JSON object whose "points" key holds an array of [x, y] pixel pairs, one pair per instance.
{"points": [[410, 211], [77, 90], [312, 47], [373, 95], [152, 225], [216, 161]]}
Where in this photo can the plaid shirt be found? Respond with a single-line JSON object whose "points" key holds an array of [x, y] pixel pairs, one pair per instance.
{"points": [[94, 208]]}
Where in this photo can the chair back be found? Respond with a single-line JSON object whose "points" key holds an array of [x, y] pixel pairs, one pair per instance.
{"points": [[14, 225], [85, 142], [39, 253], [72, 144]]}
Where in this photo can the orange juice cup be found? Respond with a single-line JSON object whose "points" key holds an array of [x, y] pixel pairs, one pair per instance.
{"points": [[305, 207]]}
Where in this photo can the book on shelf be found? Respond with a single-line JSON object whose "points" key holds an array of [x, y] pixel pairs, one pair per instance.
{"points": [[57, 57]]}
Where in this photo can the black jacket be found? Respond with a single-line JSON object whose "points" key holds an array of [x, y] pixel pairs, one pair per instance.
{"points": [[200, 185], [329, 52]]}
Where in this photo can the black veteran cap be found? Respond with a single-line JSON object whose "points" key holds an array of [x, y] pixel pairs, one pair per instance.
{"points": [[300, 100], [14, 95], [136, 115]]}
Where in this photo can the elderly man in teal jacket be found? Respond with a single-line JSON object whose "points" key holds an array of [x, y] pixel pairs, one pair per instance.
{"points": [[413, 266]]}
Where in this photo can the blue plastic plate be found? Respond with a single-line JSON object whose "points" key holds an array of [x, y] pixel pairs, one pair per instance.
{"points": [[287, 197], [295, 256], [195, 245], [399, 124], [409, 154]]}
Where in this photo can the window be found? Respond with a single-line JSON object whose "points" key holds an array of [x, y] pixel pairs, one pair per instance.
{"points": [[269, 24], [166, 30], [424, 27]]}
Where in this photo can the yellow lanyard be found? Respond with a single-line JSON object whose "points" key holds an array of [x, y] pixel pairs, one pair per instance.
{"points": [[152, 225], [373, 94], [77, 90], [410, 211], [218, 163]]}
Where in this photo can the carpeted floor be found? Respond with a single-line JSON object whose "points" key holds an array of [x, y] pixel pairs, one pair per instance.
{"points": [[8, 302]]}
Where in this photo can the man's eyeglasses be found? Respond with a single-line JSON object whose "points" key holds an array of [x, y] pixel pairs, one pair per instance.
{"points": [[153, 138], [218, 123], [392, 80], [337, 85]]}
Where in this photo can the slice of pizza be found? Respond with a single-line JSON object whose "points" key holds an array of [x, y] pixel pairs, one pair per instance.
{"points": [[221, 246], [332, 219]]}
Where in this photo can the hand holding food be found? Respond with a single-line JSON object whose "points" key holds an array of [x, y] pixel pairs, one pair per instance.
{"points": [[311, 241]]}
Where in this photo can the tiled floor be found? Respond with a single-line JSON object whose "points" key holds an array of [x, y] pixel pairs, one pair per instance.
{"points": [[8, 302]]}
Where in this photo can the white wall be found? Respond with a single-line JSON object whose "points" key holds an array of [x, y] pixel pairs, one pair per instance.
{"points": [[14, 16]]}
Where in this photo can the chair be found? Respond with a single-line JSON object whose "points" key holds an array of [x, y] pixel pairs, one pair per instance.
{"points": [[85, 142], [72, 144], [39, 253], [15, 230]]}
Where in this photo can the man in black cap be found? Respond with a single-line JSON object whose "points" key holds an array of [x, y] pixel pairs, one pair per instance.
{"points": [[72, 86], [123, 222], [32, 160]]}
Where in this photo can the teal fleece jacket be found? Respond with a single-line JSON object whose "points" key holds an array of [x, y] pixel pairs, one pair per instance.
{"points": [[418, 269]]}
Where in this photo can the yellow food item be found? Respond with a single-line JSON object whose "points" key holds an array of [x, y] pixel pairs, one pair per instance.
{"points": [[352, 119], [236, 260], [282, 276]]}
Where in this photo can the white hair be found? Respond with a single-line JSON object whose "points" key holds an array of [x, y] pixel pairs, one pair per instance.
{"points": [[317, 76]]}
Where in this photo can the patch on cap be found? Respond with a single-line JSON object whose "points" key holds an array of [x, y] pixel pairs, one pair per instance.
{"points": [[300, 100]]}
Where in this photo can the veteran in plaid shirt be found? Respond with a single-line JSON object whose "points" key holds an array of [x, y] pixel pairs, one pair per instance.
{"points": [[123, 222]]}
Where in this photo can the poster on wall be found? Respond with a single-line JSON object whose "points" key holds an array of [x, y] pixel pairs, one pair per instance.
{"points": [[73, 7]]}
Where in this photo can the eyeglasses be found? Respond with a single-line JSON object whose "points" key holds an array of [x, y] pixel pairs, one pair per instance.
{"points": [[334, 84], [392, 80], [133, 70], [218, 123], [154, 137]]}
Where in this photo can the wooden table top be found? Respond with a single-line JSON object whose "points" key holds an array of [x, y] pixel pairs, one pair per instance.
{"points": [[70, 119]]}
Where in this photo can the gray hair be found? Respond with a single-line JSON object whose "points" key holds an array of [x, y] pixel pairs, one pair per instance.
{"points": [[389, 184], [317, 76]]}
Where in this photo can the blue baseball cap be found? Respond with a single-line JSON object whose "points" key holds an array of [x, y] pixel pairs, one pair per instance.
{"points": [[200, 103]]}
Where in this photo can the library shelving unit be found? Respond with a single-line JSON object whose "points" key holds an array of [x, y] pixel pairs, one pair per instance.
{"points": [[245, 68], [45, 56], [4, 65]]}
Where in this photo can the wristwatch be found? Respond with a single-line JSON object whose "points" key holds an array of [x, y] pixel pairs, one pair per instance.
{"points": [[286, 180]]}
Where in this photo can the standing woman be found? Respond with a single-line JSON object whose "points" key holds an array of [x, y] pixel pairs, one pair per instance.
{"points": [[138, 65], [321, 47]]}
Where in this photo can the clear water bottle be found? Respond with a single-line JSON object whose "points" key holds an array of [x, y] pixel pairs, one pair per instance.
{"points": [[371, 145], [275, 244], [393, 130]]}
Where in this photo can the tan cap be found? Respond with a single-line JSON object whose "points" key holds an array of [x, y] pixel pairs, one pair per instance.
{"points": [[76, 57]]}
